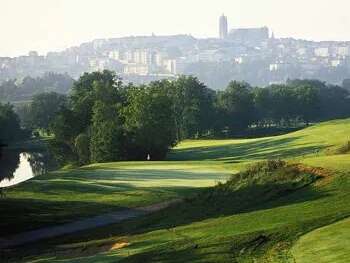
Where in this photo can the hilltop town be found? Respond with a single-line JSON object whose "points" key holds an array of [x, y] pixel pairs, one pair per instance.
{"points": [[251, 54]]}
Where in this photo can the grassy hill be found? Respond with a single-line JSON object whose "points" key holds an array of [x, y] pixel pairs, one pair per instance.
{"points": [[251, 223], [309, 141], [327, 244]]}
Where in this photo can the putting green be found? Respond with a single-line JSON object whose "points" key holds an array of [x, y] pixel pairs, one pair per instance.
{"points": [[64, 196]]}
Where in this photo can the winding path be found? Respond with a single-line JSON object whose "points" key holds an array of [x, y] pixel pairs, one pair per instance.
{"points": [[83, 224]]}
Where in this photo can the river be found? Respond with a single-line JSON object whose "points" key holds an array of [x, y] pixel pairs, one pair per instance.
{"points": [[19, 166]]}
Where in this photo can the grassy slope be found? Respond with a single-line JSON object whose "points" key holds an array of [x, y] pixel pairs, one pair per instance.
{"points": [[190, 233], [327, 244], [309, 141]]}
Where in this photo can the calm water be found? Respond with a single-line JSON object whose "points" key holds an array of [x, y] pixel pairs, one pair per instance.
{"points": [[20, 166]]}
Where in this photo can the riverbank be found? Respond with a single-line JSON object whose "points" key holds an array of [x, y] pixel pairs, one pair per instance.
{"points": [[33, 144]]}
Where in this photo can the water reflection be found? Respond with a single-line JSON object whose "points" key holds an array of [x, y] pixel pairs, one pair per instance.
{"points": [[18, 166]]}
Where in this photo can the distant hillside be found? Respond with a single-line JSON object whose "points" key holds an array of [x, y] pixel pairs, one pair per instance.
{"points": [[244, 56]]}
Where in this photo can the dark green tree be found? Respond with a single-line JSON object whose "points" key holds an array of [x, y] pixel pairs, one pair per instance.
{"points": [[192, 106], [236, 103], [82, 148], [107, 135], [308, 103], [83, 95], [149, 122], [10, 129], [65, 126], [263, 107], [44, 109]]}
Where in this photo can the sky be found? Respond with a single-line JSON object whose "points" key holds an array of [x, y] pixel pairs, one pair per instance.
{"points": [[53, 25]]}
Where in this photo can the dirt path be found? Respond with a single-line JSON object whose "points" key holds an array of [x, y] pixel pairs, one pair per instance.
{"points": [[83, 224]]}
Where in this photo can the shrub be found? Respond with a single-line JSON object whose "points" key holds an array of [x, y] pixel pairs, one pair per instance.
{"points": [[345, 148], [260, 182]]}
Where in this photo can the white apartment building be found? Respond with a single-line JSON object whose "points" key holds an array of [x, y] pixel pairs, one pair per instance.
{"points": [[322, 52], [342, 51], [136, 69]]}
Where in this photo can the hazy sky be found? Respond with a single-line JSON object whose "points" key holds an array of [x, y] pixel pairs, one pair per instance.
{"points": [[45, 25]]}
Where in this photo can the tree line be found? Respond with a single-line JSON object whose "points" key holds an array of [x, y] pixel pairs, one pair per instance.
{"points": [[10, 126], [103, 119], [24, 89]]}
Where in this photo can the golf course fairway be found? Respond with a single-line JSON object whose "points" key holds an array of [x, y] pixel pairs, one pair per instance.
{"points": [[306, 224]]}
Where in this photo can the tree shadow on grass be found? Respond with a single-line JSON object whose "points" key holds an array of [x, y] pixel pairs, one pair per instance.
{"points": [[193, 248], [24, 214], [18, 215], [246, 200], [199, 209], [262, 149], [122, 183], [51, 201], [250, 199], [186, 252]]}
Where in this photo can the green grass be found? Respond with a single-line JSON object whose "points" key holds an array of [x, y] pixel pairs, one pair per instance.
{"points": [[215, 230], [67, 195], [339, 162], [202, 231], [327, 244], [306, 142]]}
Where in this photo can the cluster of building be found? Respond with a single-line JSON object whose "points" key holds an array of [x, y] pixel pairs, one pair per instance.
{"points": [[251, 54]]}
